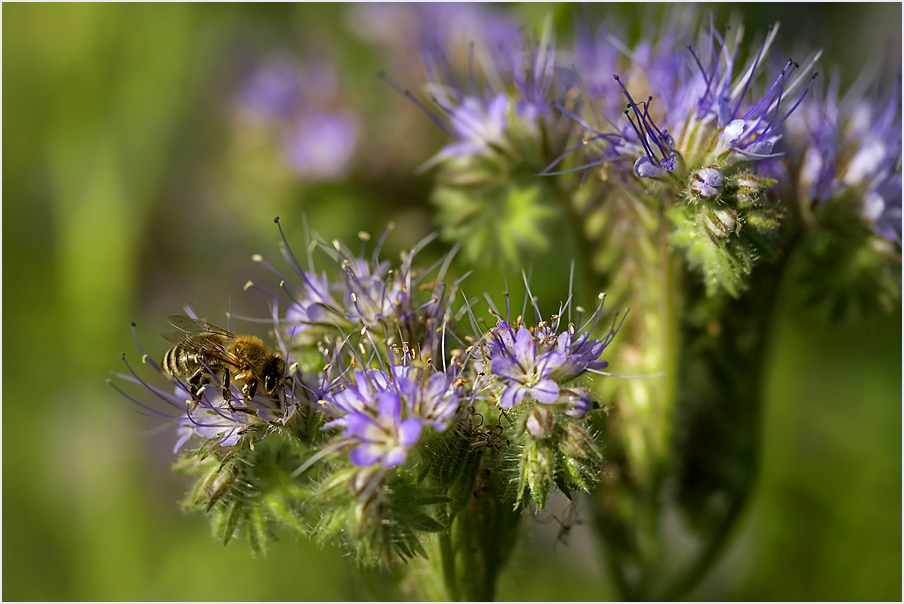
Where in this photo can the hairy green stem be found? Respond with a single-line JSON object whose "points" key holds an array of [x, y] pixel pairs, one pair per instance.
{"points": [[450, 577]]}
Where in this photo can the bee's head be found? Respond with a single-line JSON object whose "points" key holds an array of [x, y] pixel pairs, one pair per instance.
{"points": [[272, 375]]}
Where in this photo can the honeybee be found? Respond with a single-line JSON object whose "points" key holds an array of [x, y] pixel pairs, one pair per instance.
{"points": [[204, 353]]}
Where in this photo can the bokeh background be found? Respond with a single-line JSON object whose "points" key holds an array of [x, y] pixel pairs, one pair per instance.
{"points": [[139, 175]]}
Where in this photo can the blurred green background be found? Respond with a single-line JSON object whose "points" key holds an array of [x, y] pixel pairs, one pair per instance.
{"points": [[132, 185]]}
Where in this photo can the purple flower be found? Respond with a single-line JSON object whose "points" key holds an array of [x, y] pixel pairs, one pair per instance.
{"points": [[882, 207], [702, 106], [497, 89], [432, 399], [537, 362], [365, 292], [526, 373], [384, 438], [853, 148], [313, 306], [384, 414], [477, 125], [371, 293], [581, 354], [321, 144], [319, 134], [273, 89]]}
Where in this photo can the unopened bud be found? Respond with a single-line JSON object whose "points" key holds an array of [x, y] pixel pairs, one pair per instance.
{"points": [[541, 421], [707, 182]]}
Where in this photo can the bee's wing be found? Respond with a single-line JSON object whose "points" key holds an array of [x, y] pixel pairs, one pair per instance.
{"points": [[186, 327], [187, 335]]}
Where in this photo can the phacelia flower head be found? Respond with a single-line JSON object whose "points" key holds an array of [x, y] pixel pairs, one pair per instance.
{"points": [[491, 86], [366, 295], [697, 125], [704, 109], [852, 150]]}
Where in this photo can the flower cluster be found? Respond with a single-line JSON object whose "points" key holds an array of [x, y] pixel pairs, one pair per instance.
{"points": [[852, 148], [383, 385]]}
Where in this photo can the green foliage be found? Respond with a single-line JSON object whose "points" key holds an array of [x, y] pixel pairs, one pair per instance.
{"points": [[845, 272], [495, 218], [247, 488]]}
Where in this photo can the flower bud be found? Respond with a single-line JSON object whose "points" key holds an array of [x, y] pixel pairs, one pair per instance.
{"points": [[579, 443], [541, 421], [707, 182]]}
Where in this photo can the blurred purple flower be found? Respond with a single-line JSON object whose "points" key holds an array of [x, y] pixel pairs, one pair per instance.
{"points": [[320, 145], [852, 146], [476, 125], [273, 89]]}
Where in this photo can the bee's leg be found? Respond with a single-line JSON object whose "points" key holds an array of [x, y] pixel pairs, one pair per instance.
{"points": [[196, 383], [227, 394]]}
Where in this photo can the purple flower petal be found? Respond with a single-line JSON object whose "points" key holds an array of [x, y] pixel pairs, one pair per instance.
{"points": [[230, 439], [512, 395], [361, 425], [645, 168], [506, 368], [366, 454], [549, 361], [390, 406], [409, 431], [394, 457], [545, 391], [525, 351]]}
